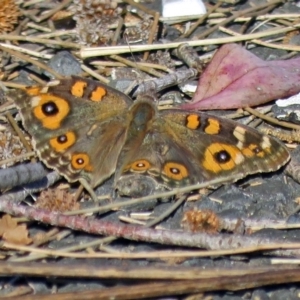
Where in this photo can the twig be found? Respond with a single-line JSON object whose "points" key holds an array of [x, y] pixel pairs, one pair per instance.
{"points": [[208, 280], [12, 37], [30, 60], [90, 271], [263, 43], [201, 20], [27, 51], [18, 131], [259, 18], [236, 15], [168, 212], [17, 158], [141, 7], [271, 120], [137, 66], [152, 33], [94, 74], [100, 51], [39, 253], [137, 233], [167, 194], [52, 12]]}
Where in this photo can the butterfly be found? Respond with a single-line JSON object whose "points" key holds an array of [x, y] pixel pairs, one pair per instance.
{"points": [[86, 130]]}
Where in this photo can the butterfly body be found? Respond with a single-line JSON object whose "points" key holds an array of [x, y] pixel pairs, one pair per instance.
{"points": [[84, 129]]}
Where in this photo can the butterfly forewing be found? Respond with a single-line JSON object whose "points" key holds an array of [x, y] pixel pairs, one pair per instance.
{"points": [[78, 126]]}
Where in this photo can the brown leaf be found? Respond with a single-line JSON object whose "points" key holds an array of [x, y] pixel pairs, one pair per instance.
{"points": [[7, 223], [236, 78], [18, 235]]}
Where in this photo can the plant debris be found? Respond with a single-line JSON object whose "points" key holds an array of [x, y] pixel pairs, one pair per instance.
{"points": [[94, 19], [57, 200], [9, 15], [11, 232]]}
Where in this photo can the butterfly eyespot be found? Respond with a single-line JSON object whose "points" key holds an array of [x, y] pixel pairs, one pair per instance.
{"points": [[175, 171], [62, 139], [140, 165], [50, 108], [81, 161], [256, 150], [221, 157], [259, 152], [63, 142]]}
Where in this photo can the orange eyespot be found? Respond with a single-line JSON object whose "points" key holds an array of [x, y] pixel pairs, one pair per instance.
{"points": [[50, 110], [221, 157], [81, 161], [63, 142], [257, 150], [175, 171], [140, 165]]}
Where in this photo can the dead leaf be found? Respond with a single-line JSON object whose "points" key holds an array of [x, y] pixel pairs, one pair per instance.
{"points": [[236, 78], [7, 223], [12, 232], [18, 235]]}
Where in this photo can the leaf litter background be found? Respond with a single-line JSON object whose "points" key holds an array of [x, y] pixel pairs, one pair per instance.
{"points": [[227, 222]]}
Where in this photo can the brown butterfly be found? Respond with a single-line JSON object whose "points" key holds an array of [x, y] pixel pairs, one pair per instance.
{"points": [[87, 130]]}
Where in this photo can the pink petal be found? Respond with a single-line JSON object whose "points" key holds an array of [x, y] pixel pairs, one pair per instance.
{"points": [[236, 78]]}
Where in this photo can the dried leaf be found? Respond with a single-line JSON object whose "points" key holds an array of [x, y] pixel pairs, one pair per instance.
{"points": [[7, 223], [236, 78], [18, 235], [12, 232]]}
